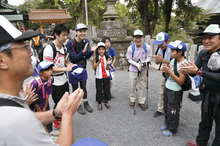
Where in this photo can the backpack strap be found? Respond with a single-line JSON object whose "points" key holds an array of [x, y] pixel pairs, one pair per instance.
{"points": [[133, 48], [54, 49], [175, 68], [8, 102]]}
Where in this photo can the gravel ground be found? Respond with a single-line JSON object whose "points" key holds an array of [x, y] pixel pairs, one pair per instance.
{"points": [[119, 126]]}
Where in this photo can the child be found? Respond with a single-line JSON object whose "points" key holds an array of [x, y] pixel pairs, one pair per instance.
{"points": [[101, 66], [43, 88], [173, 92], [111, 52]]}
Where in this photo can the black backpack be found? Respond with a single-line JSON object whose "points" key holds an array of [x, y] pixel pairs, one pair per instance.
{"points": [[187, 84], [8, 102], [40, 55]]}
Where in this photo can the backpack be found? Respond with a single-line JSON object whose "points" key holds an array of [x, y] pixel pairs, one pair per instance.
{"points": [[133, 48], [40, 55], [8, 102], [37, 41], [187, 84]]}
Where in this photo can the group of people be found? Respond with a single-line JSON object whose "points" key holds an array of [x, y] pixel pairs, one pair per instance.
{"points": [[58, 60]]}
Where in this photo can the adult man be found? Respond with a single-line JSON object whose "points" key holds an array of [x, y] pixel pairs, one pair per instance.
{"points": [[79, 51], [163, 56], [61, 64], [211, 79], [138, 54], [20, 125]]}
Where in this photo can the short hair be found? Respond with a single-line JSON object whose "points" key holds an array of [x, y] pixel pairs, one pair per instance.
{"points": [[59, 28], [177, 50], [105, 38], [35, 28]]}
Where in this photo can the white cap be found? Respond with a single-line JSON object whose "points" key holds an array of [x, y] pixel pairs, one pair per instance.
{"points": [[138, 32], [212, 29]]}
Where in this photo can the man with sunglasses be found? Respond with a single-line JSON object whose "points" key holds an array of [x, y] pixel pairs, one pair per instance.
{"points": [[209, 69], [19, 125]]}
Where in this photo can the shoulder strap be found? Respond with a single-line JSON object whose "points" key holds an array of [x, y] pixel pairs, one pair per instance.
{"points": [[133, 49], [8, 102], [175, 68], [145, 47], [54, 49]]}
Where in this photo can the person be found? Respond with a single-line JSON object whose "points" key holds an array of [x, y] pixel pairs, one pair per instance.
{"points": [[173, 92], [162, 56], [42, 87], [36, 42], [79, 51], [140, 55], [111, 52], [101, 65], [61, 64], [21, 126], [204, 66]]}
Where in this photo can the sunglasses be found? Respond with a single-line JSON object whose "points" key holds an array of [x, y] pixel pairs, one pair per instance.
{"points": [[25, 46]]}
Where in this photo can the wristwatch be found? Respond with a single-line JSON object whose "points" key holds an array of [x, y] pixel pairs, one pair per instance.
{"points": [[55, 116], [199, 73]]}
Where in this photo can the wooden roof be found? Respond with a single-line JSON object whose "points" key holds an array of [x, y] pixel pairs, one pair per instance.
{"points": [[48, 16]]}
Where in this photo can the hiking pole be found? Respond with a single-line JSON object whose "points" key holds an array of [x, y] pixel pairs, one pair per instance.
{"points": [[136, 92]]}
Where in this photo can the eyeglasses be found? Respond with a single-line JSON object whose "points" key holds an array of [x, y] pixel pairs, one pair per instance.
{"points": [[25, 46]]}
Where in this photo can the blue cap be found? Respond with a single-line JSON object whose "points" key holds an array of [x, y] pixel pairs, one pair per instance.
{"points": [[177, 45], [78, 72], [89, 142], [161, 38], [80, 26], [44, 65]]}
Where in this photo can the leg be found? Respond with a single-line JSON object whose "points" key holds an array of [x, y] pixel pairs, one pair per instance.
{"points": [[205, 126], [216, 141], [165, 104], [107, 93], [160, 105], [99, 96], [85, 100], [142, 88], [133, 82]]}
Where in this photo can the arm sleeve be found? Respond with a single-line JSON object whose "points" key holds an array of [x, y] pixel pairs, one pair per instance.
{"points": [[48, 54], [133, 63], [88, 52], [74, 58]]}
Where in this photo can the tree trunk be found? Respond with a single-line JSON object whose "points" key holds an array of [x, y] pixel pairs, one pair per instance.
{"points": [[168, 10], [82, 9]]}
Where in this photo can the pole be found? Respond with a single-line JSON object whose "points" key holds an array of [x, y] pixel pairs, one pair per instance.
{"points": [[86, 12]]}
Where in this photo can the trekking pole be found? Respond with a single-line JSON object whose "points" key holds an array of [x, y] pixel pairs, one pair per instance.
{"points": [[136, 92], [146, 76]]}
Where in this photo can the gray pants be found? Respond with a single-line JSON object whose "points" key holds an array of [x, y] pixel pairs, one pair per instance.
{"points": [[160, 104], [133, 81]]}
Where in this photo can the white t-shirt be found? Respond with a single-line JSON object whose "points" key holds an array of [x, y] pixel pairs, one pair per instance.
{"points": [[20, 127], [60, 78]]}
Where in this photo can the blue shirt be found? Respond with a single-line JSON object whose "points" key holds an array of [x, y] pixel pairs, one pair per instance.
{"points": [[111, 52]]}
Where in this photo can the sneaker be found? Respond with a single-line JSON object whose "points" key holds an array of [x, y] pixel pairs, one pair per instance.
{"points": [[80, 110], [88, 107], [132, 104], [164, 127], [143, 107], [168, 133], [107, 105], [192, 143], [99, 106], [157, 114], [56, 124]]}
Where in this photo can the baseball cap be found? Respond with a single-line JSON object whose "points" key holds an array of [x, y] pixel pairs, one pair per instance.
{"points": [[44, 65], [89, 142], [161, 38], [80, 26], [101, 44], [78, 72], [177, 45], [138, 32], [9, 34], [212, 29]]}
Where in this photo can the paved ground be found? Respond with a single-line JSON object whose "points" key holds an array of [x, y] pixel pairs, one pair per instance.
{"points": [[120, 127]]}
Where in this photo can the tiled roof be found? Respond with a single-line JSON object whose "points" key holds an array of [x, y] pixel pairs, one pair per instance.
{"points": [[212, 5]]}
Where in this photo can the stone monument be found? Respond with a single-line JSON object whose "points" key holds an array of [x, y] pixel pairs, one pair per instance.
{"points": [[113, 29]]}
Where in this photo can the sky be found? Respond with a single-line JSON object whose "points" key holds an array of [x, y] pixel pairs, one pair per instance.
{"points": [[17, 2]]}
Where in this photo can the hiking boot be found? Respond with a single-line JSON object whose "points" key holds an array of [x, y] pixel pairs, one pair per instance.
{"points": [[168, 133], [132, 104], [164, 127], [192, 143], [157, 114], [88, 107], [80, 110], [56, 124], [143, 107]]}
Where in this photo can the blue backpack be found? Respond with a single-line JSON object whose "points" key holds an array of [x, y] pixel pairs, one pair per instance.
{"points": [[133, 48]]}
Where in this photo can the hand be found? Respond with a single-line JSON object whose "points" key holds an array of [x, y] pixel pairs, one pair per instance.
{"points": [[70, 66], [113, 66], [68, 104], [140, 65], [27, 90], [160, 58], [85, 47], [44, 109], [94, 48], [165, 68], [188, 68], [109, 61], [31, 98]]}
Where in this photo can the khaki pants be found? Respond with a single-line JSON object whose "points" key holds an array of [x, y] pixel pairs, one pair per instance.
{"points": [[141, 88], [160, 106]]}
